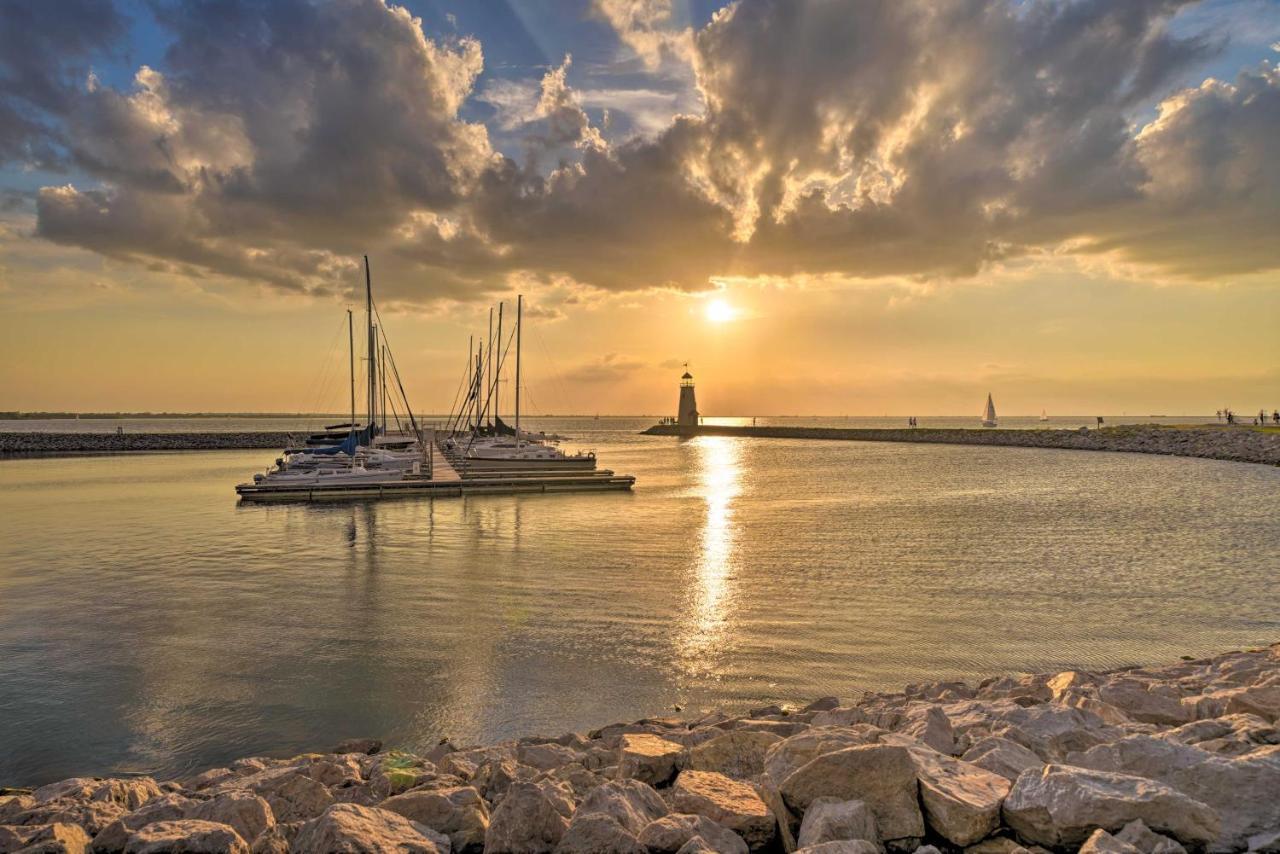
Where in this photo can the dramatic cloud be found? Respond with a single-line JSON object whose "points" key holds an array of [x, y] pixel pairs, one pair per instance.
{"points": [[279, 140], [44, 55]]}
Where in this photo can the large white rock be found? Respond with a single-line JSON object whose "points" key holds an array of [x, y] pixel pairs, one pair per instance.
{"points": [[1243, 789], [367, 830], [648, 758], [669, 834], [787, 756], [727, 802], [631, 803], [1101, 842], [187, 836], [1143, 701], [961, 801], [592, 833], [830, 820], [738, 753], [927, 723], [881, 775], [1147, 840], [1061, 805], [525, 822], [1002, 756], [458, 812]]}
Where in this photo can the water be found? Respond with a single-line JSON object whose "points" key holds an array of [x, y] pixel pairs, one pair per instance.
{"points": [[149, 623]]}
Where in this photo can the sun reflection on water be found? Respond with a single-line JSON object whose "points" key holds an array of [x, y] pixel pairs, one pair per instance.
{"points": [[706, 622]]}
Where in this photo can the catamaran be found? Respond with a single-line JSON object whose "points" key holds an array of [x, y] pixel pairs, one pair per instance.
{"points": [[989, 414]]}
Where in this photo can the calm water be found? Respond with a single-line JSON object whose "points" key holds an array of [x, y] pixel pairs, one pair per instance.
{"points": [[148, 623]]}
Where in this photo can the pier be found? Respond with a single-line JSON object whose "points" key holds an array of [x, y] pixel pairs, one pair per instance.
{"points": [[1235, 444]]}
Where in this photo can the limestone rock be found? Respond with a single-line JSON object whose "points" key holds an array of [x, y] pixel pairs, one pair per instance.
{"points": [[186, 836], [458, 812], [727, 802], [248, 814], [353, 829], [1147, 840], [1002, 756], [1101, 842], [93, 816], [789, 755], [822, 704], [881, 775], [12, 805], [598, 832], [839, 717], [525, 822], [1240, 788], [115, 836], [129, 793], [841, 846], [1061, 805], [738, 753], [493, 777], [45, 839], [544, 757], [648, 758], [669, 834], [961, 801], [368, 746], [830, 820], [631, 803], [929, 724], [1143, 702]]}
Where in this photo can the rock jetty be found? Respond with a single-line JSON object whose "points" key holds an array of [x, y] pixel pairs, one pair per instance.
{"points": [[1236, 444], [1144, 760], [74, 444]]}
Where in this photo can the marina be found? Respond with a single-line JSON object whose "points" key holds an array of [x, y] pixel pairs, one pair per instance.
{"points": [[475, 453]]}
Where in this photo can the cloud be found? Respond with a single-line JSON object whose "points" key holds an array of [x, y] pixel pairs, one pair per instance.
{"points": [[606, 369], [278, 141], [45, 50]]}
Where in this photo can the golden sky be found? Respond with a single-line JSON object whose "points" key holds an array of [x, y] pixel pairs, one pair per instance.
{"points": [[825, 208]]}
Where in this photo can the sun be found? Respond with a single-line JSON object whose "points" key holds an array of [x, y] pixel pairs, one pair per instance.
{"points": [[719, 311]]}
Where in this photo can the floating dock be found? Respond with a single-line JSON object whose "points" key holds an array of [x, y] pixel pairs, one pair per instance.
{"points": [[443, 482]]}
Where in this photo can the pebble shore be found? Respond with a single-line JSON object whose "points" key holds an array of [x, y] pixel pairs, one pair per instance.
{"points": [[1236, 444], [1143, 760], [75, 444]]}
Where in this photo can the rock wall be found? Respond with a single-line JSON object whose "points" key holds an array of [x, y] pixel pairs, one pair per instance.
{"points": [[1159, 760], [69, 444], [1238, 444]]}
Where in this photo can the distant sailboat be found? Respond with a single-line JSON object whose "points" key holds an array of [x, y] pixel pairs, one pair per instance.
{"points": [[1044, 416], [989, 414]]}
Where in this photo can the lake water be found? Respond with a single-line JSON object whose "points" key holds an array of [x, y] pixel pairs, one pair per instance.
{"points": [[149, 623]]}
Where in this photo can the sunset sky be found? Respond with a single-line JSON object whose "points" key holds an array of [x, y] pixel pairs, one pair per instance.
{"points": [[826, 207]]}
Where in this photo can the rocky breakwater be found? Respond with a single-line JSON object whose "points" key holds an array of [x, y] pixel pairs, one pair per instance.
{"points": [[74, 444], [1236, 444], [1145, 760]]}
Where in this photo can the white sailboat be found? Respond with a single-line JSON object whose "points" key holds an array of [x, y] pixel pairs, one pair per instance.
{"points": [[989, 414], [1044, 416]]}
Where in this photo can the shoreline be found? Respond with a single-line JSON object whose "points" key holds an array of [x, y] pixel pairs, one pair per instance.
{"points": [[1230, 444], [1140, 760]]}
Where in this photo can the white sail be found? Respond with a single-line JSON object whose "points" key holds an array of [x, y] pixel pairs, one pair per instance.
{"points": [[989, 414]]}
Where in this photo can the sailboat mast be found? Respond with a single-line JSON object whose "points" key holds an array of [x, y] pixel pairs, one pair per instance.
{"points": [[488, 366], [372, 352], [497, 370], [382, 372], [351, 351], [519, 325]]}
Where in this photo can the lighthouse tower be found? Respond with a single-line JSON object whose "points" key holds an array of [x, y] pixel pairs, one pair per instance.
{"points": [[688, 403]]}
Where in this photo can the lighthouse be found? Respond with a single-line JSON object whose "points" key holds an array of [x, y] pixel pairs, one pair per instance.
{"points": [[688, 416]]}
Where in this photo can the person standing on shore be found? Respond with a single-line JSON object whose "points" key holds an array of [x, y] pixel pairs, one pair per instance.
{"points": [[1275, 415]]}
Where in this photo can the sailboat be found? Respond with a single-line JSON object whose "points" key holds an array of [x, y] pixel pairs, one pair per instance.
{"points": [[499, 447], [989, 414], [1044, 416]]}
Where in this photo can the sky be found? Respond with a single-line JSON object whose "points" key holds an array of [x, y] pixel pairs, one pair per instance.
{"points": [[842, 207]]}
